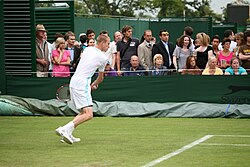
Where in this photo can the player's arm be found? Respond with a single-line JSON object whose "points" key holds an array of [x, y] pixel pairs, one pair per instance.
{"points": [[98, 80]]}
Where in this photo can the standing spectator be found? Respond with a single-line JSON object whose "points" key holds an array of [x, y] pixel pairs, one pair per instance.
{"points": [[235, 68], [90, 33], [244, 53], [181, 52], [224, 57], [158, 68], [215, 44], [113, 47], [75, 52], [239, 37], [90, 42], [145, 50], [61, 59], [50, 47], [229, 34], [212, 69], [83, 40], [204, 51], [42, 52], [165, 48], [126, 48], [135, 69], [108, 53], [191, 67], [188, 30]]}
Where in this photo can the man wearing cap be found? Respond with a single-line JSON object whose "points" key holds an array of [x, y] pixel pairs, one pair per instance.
{"points": [[165, 48], [42, 52]]}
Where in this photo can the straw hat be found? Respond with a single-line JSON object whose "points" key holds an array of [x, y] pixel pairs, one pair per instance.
{"points": [[40, 27]]}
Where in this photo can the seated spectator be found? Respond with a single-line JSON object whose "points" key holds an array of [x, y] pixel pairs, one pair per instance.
{"points": [[158, 68], [191, 67], [61, 59], [109, 71], [235, 68], [212, 68], [135, 69], [224, 56]]}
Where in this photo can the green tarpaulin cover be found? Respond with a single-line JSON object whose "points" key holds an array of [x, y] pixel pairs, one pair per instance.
{"points": [[13, 105]]}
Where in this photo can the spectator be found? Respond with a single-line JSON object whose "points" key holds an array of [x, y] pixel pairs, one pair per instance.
{"points": [[212, 69], [83, 40], [126, 48], [145, 50], [181, 52], [224, 57], [135, 69], [61, 58], [196, 43], [90, 42], [42, 52], [108, 53], [75, 52], [109, 71], [113, 48], [188, 30], [215, 44], [229, 34], [77, 44], [50, 48], [239, 37], [158, 68], [204, 51], [235, 68], [191, 67], [90, 34], [244, 52], [165, 48]]}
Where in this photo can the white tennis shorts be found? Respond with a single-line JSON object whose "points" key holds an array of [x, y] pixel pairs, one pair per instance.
{"points": [[81, 97]]}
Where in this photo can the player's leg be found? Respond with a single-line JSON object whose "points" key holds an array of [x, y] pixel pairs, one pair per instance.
{"points": [[85, 115]]}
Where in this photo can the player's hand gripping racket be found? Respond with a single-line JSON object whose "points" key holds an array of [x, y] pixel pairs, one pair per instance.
{"points": [[63, 93]]}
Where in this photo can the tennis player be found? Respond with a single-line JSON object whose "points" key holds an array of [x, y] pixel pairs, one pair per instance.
{"points": [[92, 59]]}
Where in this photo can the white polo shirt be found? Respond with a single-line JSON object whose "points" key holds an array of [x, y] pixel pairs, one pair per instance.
{"points": [[92, 60]]}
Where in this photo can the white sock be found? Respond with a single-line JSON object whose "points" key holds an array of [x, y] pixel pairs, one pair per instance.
{"points": [[69, 127]]}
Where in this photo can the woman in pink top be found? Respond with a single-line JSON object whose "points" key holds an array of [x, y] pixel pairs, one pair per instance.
{"points": [[61, 59], [224, 57]]}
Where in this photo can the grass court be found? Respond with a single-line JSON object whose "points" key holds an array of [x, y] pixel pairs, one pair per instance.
{"points": [[126, 142]]}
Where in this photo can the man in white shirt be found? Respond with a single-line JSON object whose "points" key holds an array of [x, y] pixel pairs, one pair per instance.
{"points": [[93, 58], [113, 48], [229, 34]]}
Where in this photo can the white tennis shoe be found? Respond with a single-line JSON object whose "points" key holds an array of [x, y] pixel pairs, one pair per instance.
{"points": [[74, 139], [65, 136]]}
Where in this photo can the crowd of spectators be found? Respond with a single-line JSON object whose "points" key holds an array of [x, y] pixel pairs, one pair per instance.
{"points": [[127, 56]]}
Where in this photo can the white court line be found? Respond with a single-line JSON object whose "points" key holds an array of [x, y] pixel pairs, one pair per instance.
{"points": [[219, 144], [184, 148], [233, 135]]}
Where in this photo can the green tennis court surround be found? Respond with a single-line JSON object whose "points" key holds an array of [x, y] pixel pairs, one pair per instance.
{"points": [[175, 88]]}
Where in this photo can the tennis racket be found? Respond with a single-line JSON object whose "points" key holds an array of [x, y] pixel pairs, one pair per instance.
{"points": [[63, 93]]}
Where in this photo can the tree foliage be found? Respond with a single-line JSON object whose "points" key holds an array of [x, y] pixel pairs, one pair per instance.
{"points": [[142, 8]]}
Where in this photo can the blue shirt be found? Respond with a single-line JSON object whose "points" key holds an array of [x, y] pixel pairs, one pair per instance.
{"points": [[231, 71]]}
